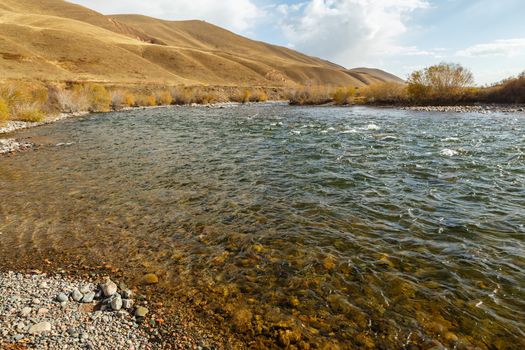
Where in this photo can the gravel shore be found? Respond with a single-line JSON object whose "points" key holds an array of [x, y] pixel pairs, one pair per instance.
{"points": [[14, 145], [484, 109], [14, 125], [38, 311]]}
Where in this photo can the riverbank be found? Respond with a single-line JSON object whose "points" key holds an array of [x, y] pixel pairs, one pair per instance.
{"points": [[481, 108], [57, 312], [75, 310], [477, 108], [14, 125], [12, 145]]}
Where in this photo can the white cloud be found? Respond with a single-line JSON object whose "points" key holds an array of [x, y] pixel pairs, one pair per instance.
{"points": [[350, 32], [506, 48], [237, 15], [409, 51]]}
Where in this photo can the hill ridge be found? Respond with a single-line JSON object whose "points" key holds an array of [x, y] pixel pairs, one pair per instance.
{"points": [[58, 40]]}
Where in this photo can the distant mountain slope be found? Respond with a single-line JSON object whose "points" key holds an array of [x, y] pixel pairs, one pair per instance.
{"points": [[64, 9], [376, 74], [57, 40]]}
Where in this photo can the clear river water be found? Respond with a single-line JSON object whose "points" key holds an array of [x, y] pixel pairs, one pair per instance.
{"points": [[295, 227]]}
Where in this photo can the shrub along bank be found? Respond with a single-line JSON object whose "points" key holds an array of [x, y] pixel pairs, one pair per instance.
{"points": [[31, 101], [442, 84]]}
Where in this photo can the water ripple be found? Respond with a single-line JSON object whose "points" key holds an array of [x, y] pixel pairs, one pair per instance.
{"points": [[370, 228]]}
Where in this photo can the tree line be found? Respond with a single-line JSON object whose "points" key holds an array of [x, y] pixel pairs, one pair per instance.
{"points": [[441, 84]]}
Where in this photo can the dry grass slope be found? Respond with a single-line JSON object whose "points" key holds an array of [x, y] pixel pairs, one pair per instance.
{"points": [[57, 40]]}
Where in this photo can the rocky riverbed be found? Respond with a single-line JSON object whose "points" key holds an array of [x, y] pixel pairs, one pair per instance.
{"points": [[15, 125], [12, 145], [484, 109], [15, 145], [54, 312]]}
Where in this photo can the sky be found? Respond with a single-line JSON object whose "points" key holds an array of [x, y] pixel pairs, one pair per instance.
{"points": [[399, 36]]}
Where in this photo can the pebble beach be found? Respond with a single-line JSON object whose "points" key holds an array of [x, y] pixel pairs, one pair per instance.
{"points": [[11, 145], [482, 108], [38, 311]]}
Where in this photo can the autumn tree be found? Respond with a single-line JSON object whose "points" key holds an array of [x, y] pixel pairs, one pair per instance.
{"points": [[511, 90], [445, 82]]}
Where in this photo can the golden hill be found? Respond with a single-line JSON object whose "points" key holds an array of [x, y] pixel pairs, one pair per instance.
{"points": [[57, 40]]}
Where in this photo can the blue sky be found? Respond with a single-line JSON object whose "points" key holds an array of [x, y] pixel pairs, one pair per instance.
{"points": [[487, 36]]}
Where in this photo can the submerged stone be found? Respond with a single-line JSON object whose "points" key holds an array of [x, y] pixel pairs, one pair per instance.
{"points": [[329, 263], [294, 301], [242, 319], [150, 278], [451, 337], [339, 304]]}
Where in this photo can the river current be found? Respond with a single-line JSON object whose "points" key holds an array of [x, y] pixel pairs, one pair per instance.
{"points": [[312, 227]]}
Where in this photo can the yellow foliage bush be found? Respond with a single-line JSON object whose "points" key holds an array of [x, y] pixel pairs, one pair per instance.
{"points": [[97, 96], [263, 97], [245, 97], [18, 93], [189, 95], [242, 96], [100, 98], [23, 101], [442, 83], [150, 101], [4, 110], [29, 113], [309, 95], [343, 96], [388, 92], [129, 99], [204, 97], [146, 101], [39, 94], [121, 99], [164, 98], [258, 96]]}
